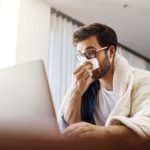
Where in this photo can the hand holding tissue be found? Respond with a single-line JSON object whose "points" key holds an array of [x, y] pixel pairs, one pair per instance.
{"points": [[93, 61], [95, 67]]}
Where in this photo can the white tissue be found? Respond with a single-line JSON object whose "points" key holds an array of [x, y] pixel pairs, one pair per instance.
{"points": [[93, 61]]}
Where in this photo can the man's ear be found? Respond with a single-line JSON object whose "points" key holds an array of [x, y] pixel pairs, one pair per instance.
{"points": [[111, 52]]}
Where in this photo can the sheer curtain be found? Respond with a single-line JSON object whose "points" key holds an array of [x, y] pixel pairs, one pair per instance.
{"points": [[133, 59], [62, 55]]}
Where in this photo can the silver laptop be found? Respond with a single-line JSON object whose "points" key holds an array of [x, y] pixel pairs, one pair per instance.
{"points": [[26, 106]]}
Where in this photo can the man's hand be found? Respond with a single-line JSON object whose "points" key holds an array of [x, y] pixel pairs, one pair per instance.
{"points": [[82, 130], [86, 130], [82, 77]]}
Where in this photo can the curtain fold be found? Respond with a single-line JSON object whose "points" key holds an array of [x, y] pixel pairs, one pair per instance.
{"points": [[133, 60], [62, 55]]}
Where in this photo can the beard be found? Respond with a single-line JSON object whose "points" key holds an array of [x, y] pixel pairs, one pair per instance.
{"points": [[102, 71]]}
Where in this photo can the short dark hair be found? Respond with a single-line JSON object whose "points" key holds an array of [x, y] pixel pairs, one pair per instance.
{"points": [[105, 35]]}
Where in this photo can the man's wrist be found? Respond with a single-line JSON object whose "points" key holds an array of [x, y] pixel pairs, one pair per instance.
{"points": [[77, 91]]}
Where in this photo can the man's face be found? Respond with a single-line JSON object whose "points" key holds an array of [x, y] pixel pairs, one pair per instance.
{"points": [[91, 43]]}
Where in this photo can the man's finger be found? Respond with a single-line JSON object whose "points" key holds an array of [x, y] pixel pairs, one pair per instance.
{"points": [[74, 133], [70, 128], [84, 135], [85, 74]]}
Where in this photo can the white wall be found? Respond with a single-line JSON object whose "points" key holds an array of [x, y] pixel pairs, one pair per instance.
{"points": [[9, 11], [33, 31]]}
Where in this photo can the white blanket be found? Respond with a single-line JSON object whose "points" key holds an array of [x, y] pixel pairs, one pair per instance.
{"points": [[132, 90]]}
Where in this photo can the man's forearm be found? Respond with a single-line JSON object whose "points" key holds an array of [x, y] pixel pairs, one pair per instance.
{"points": [[72, 107], [117, 131], [86, 130]]}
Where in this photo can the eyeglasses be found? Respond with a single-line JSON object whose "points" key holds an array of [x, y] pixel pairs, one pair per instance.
{"points": [[89, 54]]}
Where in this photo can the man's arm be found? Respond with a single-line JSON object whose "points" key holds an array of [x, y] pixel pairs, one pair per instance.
{"points": [[86, 130], [72, 102], [72, 107]]}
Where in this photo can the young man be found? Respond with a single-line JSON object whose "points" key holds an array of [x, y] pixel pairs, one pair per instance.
{"points": [[116, 102]]}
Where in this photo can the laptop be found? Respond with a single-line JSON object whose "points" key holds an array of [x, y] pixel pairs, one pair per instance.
{"points": [[26, 105]]}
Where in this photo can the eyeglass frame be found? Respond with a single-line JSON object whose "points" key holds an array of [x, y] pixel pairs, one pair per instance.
{"points": [[96, 50]]}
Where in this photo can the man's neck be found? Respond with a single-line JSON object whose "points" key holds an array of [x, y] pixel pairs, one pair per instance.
{"points": [[107, 80]]}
